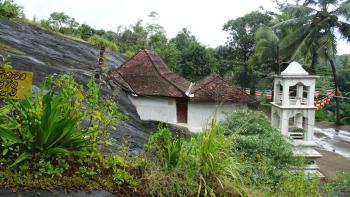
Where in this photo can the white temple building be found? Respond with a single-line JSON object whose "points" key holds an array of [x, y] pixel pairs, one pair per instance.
{"points": [[159, 94]]}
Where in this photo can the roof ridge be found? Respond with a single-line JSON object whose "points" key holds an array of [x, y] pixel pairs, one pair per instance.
{"points": [[216, 76], [130, 58], [162, 74], [233, 85], [121, 76]]}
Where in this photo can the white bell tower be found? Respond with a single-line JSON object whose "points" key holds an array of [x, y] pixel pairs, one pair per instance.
{"points": [[293, 110]]}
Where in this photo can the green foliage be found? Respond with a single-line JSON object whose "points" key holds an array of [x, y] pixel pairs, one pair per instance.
{"points": [[59, 21], [328, 112], [195, 60], [9, 9], [299, 186], [241, 45], [266, 52], [119, 169], [188, 167], [86, 31], [62, 132], [4, 63], [264, 151], [242, 156], [340, 185], [99, 41], [344, 78]]}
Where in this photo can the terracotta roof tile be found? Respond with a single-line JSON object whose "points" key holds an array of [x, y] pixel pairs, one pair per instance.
{"points": [[214, 88], [147, 74]]}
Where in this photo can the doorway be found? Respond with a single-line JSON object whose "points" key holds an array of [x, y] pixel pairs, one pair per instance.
{"points": [[181, 110]]}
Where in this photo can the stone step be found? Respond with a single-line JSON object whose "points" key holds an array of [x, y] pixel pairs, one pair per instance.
{"points": [[296, 134], [307, 152], [297, 137], [304, 143]]}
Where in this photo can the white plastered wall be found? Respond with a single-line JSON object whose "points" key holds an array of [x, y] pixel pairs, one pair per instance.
{"points": [[200, 114], [155, 108]]}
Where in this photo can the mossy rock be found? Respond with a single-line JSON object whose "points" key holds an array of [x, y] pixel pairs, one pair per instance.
{"points": [[7, 49]]}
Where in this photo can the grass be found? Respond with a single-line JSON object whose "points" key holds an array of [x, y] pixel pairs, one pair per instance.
{"points": [[10, 179], [24, 21], [8, 49]]}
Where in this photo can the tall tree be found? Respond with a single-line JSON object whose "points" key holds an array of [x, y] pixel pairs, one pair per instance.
{"points": [[195, 60], [318, 21], [241, 42], [266, 52]]}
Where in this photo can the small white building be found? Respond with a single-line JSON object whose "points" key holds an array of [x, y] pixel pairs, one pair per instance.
{"points": [[293, 112], [293, 108], [162, 95]]}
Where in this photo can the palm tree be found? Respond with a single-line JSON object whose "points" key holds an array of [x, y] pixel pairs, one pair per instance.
{"points": [[266, 51], [315, 23]]}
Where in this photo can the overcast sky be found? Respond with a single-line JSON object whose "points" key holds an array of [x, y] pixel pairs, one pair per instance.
{"points": [[204, 18]]}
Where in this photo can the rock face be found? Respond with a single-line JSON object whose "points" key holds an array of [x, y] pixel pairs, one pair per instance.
{"points": [[44, 53]]}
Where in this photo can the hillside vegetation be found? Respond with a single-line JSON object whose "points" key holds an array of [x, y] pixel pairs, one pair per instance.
{"points": [[75, 134]]}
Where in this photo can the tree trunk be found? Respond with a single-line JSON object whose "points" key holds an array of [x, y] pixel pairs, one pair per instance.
{"points": [[100, 59], [100, 68], [337, 119], [313, 64]]}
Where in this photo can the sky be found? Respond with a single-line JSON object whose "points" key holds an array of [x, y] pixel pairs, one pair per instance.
{"points": [[203, 18]]}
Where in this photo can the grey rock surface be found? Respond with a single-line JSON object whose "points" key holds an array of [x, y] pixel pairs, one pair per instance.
{"points": [[46, 53]]}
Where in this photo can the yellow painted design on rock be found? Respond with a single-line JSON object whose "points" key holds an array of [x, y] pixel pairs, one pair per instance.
{"points": [[15, 84]]}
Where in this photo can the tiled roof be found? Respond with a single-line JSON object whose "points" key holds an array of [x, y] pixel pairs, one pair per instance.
{"points": [[214, 88], [147, 74]]}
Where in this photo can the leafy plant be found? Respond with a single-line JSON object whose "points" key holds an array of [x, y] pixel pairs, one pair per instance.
{"points": [[298, 185], [340, 185], [4, 63], [262, 149], [50, 123], [100, 41], [9, 9], [193, 164], [46, 126]]}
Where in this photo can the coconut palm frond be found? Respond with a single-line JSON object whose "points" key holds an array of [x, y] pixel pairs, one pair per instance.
{"points": [[292, 22], [303, 44], [327, 46], [309, 2], [295, 37], [267, 34], [343, 10], [298, 10], [344, 29]]}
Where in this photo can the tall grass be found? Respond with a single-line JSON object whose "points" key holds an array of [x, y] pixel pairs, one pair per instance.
{"points": [[201, 165], [241, 156]]}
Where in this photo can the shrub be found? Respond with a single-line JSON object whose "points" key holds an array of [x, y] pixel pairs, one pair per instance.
{"points": [[9, 9], [200, 165], [298, 185], [340, 186], [265, 153], [44, 125], [100, 41], [61, 120]]}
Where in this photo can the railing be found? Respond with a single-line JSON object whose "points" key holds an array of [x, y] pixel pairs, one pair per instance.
{"points": [[293, 101]]}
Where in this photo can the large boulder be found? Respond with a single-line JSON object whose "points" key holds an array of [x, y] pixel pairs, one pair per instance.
{"points": [[43, 52]]}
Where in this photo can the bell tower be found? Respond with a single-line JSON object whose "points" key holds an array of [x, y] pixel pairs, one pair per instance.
{"points": [[293, 110]]}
